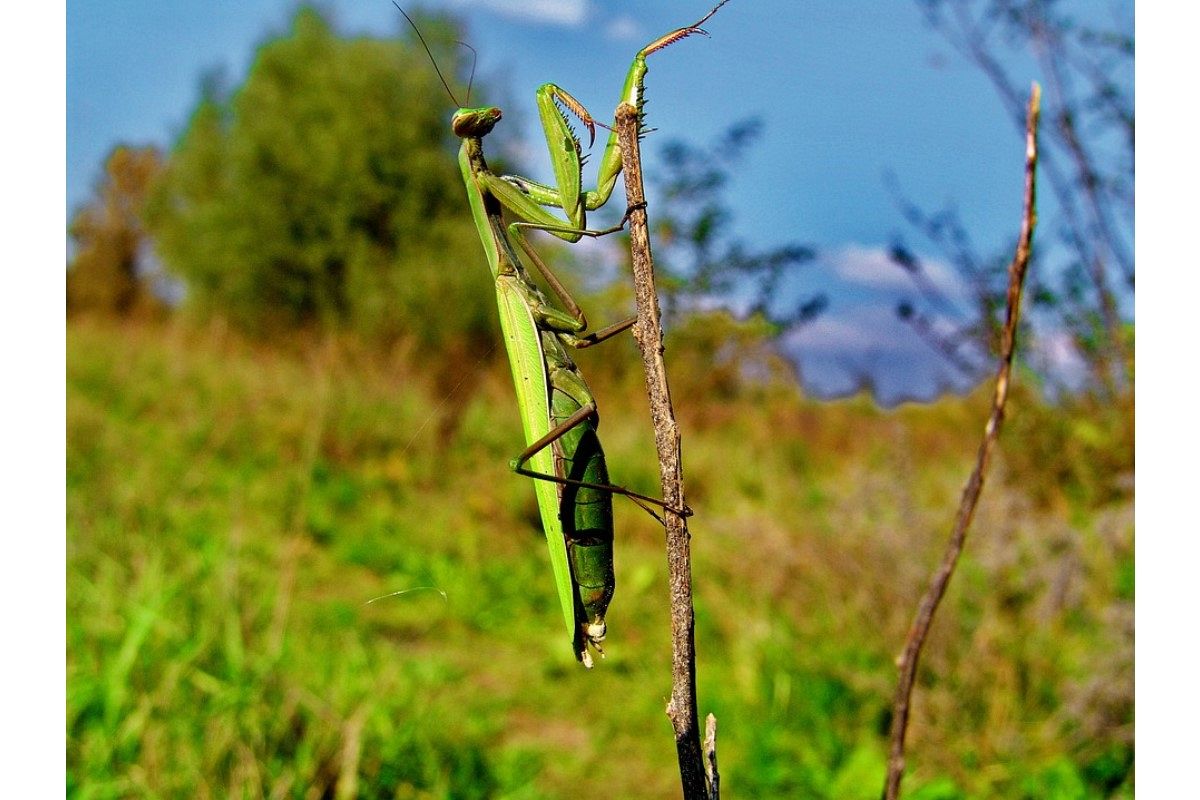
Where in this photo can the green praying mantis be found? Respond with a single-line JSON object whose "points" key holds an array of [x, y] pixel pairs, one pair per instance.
{"points": [[558, 412]]}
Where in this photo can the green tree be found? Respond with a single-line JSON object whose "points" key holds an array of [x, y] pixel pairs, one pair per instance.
{"points": [[109, 272], [324, 192]]}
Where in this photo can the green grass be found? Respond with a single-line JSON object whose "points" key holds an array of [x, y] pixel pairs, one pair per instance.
{"points": [[231, 508]]}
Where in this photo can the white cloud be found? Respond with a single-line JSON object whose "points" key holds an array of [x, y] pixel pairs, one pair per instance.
{"points": [[873, 267], [861, 330], [623, 29], [1055, 353], [845, 350], [569, 13]]}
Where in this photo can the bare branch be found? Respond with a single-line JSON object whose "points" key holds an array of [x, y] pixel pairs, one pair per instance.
{"points": [[648, 331], [943, 345], [907, 662]]}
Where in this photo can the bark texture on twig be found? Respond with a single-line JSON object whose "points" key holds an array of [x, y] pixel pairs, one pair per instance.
{"points": [[648, 331], [907, 662]]}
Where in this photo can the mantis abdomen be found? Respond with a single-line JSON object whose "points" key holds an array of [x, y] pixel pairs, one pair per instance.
{"points": [[585, 511]]}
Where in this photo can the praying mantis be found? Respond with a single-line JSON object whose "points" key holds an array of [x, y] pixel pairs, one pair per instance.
{"points": [[558, 411]]}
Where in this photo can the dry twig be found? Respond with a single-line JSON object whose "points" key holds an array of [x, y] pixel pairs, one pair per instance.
{"points": [[648, 331], [907, 662]]}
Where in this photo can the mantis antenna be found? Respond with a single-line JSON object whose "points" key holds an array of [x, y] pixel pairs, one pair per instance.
{"points": [[434, 60], [474, 61]]}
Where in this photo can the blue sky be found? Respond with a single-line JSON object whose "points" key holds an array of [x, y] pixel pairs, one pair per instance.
{"points": [[847, 92]]}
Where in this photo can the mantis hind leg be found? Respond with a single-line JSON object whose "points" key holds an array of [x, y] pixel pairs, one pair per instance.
{"points": [[584, 414]]}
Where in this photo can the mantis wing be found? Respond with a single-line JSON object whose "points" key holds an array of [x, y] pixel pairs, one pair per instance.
{"points": [[525, 355]]}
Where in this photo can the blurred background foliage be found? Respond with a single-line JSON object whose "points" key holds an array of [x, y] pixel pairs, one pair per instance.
{"points": [[306, 196], [1083, 283], [110, 272], [285, 399]]}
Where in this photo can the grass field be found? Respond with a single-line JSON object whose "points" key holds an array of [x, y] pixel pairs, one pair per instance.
{"points": [[232, 508]]}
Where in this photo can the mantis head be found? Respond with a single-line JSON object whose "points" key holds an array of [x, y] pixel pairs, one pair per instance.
{"points": [[474, 122]]}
